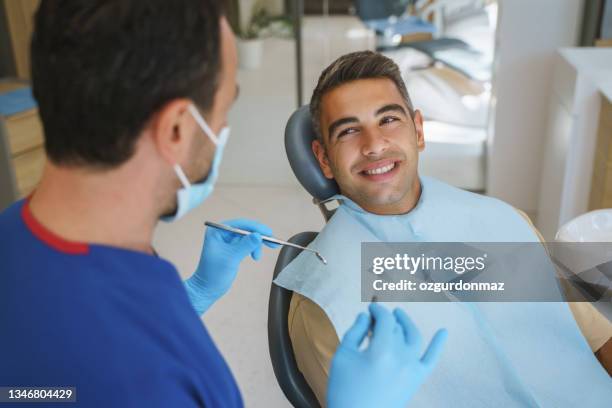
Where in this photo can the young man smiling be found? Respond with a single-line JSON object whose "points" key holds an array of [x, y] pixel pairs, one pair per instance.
{"points": [[369, 138]]}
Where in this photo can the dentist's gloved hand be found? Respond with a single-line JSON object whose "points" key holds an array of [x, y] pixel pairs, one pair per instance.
{"points": [[222, 253], [390, 370]]}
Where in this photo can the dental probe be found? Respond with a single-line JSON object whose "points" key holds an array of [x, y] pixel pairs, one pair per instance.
{"points": [[264, 237]]}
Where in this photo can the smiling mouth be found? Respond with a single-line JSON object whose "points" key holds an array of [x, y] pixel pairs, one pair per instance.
{"points": [[380, 170]]}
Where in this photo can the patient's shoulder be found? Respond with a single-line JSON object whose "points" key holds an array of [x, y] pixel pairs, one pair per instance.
{"points": [[314, 342], [308, 319], [297, 308]]}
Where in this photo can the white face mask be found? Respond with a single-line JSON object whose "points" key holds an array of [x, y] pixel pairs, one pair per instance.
{"points": [[190, 195]]}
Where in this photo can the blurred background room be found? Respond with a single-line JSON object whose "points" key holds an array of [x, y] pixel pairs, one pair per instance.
{"points": [[516, 97]]}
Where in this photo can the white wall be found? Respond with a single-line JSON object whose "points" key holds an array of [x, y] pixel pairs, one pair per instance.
{"points": [[528, 34]]}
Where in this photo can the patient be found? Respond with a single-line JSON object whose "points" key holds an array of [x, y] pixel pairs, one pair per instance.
{"points": [[368, 140]]}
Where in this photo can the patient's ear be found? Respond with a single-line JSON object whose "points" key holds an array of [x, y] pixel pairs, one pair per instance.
{"points": [[418, 124], [321, 155]]}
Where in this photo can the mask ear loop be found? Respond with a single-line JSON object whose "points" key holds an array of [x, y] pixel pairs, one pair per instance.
{"points": [[198, 118], [181, 175]]}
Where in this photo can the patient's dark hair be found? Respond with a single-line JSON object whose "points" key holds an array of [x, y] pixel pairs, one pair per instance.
{"points": [[102, 68], [351, 67]]}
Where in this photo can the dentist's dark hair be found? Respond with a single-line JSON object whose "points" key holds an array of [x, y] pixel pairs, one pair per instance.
{"points": [[102, 68], [351, 67]]}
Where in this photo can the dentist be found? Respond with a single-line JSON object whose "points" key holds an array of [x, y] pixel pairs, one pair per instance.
{"points": [[133, 98]]}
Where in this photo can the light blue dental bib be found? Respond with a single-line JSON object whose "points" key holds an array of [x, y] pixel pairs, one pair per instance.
{"points": [[497, 354]]}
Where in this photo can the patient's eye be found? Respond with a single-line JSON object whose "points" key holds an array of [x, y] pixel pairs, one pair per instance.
{"points": [[346, 131], [388, 119]]}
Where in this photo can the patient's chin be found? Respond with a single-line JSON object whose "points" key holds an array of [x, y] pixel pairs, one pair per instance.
{"points": [[379, 201], [374, 197]]}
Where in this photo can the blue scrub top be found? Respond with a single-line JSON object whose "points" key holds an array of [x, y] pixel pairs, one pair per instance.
{"points": [[114, 323]]}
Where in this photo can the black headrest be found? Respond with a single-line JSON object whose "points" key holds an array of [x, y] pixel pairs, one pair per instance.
{"points": [[299, 135]]}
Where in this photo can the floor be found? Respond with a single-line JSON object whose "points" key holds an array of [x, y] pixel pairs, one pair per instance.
{"points": [[238, 322]]}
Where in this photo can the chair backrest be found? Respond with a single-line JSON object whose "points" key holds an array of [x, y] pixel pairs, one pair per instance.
{"points": [[299, 135], [289, 377]]}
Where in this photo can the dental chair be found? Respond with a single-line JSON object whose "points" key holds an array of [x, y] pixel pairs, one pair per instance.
{"points": [[289, 377], [299, 135], [390, 20]]}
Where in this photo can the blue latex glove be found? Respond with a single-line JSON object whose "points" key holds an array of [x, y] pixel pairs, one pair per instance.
{"points": [[222, 253], [388, 372]]}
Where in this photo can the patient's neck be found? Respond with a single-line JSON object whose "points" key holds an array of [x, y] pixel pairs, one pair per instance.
{"points": [[402, 206]]}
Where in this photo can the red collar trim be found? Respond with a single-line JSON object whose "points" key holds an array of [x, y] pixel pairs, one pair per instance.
{"points": [[48, 237]]}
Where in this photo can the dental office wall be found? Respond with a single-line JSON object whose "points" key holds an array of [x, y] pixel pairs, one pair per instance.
{"points": [[529, 32]]}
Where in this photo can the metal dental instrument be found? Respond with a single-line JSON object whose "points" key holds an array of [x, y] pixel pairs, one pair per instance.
{"points": [[264, 237]]}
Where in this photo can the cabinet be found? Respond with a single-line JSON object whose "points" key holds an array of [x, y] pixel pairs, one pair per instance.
{"points": [[22, 155], [575, 176], [601, 186]]}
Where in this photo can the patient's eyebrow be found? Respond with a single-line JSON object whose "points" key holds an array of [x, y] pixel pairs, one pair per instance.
{"points": [[391, 107], [342, 121]]}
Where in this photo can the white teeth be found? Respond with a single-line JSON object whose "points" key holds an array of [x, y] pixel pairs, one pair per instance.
{"points": [[381, 170]]}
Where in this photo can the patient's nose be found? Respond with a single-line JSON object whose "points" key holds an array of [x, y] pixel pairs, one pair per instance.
{"points": [[374, 143]]}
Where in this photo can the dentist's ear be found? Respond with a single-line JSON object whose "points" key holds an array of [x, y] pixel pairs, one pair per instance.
{"points": [[321, 155], [172, 129], [418, 124]]}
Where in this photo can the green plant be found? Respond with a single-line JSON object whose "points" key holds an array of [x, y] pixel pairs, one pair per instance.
{"points": [[261, 23], [260, 19]]}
